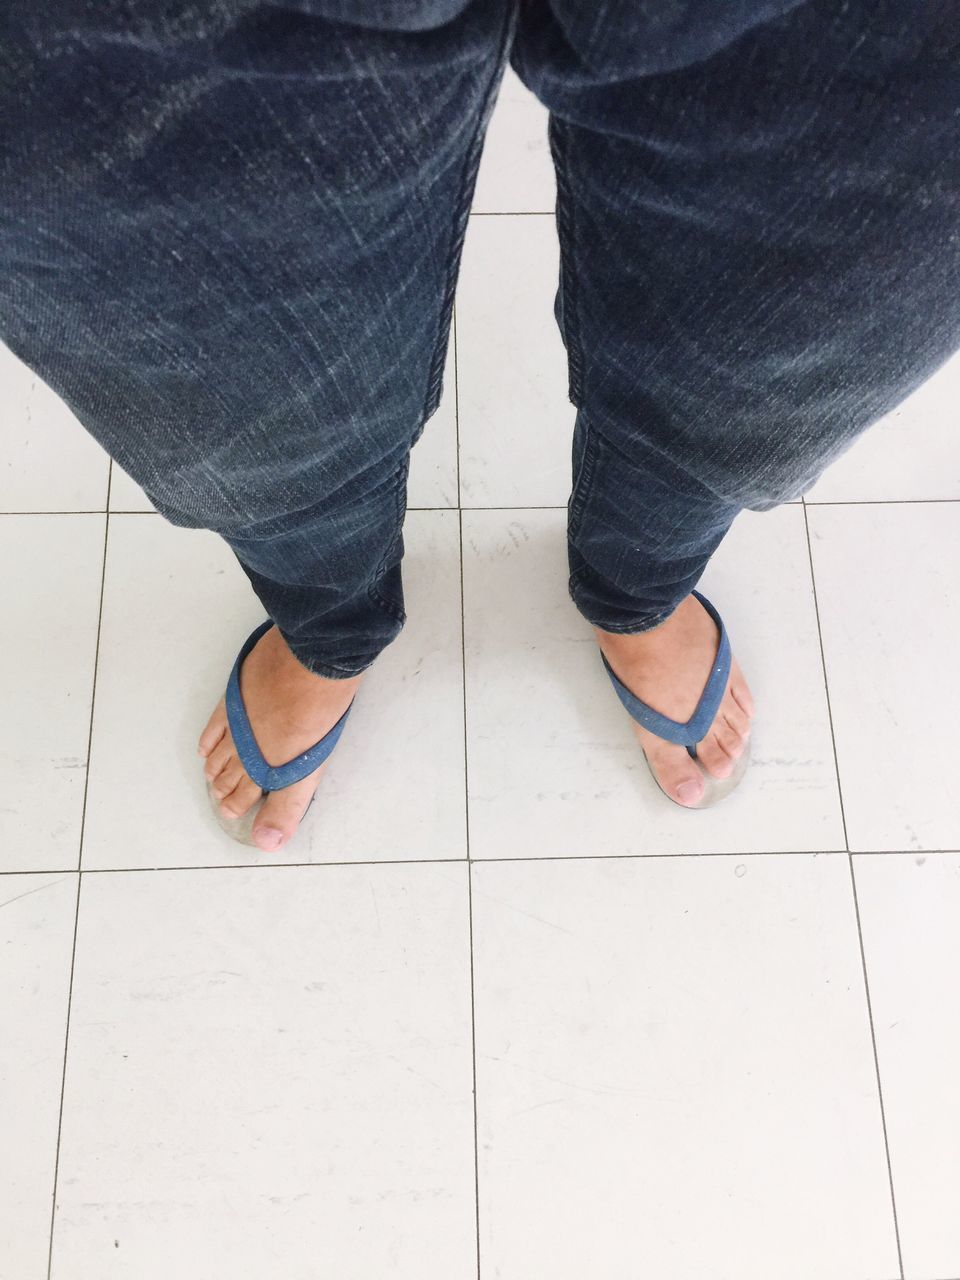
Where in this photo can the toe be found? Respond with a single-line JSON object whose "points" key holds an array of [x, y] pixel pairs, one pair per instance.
{"points": [[242, 798], [219, 758], [674, 770], [227, 779], [730, 740], [280, 814], [740, 692], [734, 721], [212, 734], [714, 757]]}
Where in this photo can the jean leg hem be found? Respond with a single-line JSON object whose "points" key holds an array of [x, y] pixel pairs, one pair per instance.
{"points": [[326, 670], [644, 622]]}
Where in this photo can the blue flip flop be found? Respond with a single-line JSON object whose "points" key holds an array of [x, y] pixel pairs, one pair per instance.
{"points": [[689, 733], [268, 777]]}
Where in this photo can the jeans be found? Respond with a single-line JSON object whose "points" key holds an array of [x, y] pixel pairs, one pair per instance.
{"points": [[230, 233]]}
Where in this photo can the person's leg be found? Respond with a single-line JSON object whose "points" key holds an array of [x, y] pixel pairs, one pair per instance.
{"points": [[760, 228], [229, 234]]}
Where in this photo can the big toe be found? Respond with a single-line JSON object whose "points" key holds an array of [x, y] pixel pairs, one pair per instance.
{"points": [[280, 814], [674, 770]]}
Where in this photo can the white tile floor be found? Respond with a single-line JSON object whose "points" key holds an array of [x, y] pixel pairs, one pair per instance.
{"points": [[704, 1045]]}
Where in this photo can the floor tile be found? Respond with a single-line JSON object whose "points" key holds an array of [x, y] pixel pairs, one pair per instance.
{"points": [[516, 422], [126, 494], [553, 765], [36, 942], [269, 1074], [176, 607], [909, 908], [49, 462], [909, 454], [433, 463], [674, 1072], [50, 572], [516, 172], [890, 614]]}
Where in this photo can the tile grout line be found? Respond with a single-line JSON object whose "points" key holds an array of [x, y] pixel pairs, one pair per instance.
{"points": [[463, 626], [473, 1058], [456, 401], [444, 862], [466, 815], [81, 511], [76, 917], [876, 1065], [541, 506], [856, 901], [466, 798], [63, 1079], [826, 682], [96, 665], [879, 502]]}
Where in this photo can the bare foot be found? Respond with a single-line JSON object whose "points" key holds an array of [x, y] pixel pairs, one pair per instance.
{"points": [[667, 668], [290, 709]]}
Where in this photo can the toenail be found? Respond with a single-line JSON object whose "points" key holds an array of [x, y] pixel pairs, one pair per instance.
{"points": [[689, 792], [269, 838]]}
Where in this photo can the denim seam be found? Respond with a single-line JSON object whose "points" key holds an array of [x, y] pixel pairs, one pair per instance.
{"points": [[383, 603], [565, 232], [583, 485], [468, 176], [400, 493]]}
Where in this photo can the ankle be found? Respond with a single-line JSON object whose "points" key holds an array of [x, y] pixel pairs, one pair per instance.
{"points": [[273, 662], [662, 635]]}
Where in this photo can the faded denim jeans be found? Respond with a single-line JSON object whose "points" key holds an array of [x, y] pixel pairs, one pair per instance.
{"points": [[230, 232]]}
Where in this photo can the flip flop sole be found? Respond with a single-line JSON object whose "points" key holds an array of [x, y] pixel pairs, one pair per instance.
{"points": [[241, 829], [714, 789]]}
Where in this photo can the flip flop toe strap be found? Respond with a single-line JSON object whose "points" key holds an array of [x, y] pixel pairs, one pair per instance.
{"points": [[270, 777], [684, 734]]}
